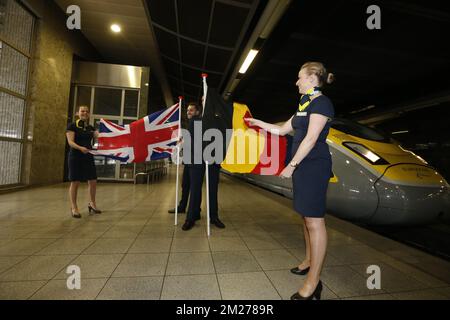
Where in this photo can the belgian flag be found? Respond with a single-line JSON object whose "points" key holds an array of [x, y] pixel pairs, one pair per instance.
{"points": [[245, 149]]}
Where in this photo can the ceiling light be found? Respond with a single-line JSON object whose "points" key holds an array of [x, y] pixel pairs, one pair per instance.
{"points": [[116, 28], [400, 132], [248, 61]]}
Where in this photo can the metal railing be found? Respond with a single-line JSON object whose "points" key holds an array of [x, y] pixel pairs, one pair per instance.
{"points": [[154, 170]]}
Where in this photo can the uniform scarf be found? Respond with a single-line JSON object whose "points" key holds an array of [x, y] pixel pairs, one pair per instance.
{"points": [[305, 99]]}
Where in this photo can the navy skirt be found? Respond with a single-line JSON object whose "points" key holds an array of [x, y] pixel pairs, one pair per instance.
{"points": [[310, 183], [82, 168]]}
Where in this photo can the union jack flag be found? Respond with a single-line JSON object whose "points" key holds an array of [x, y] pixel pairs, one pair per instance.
{"points": [[150, 138]]}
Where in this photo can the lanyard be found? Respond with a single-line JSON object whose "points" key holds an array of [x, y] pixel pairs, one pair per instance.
{"points": [[77, 123], [305, 99]]}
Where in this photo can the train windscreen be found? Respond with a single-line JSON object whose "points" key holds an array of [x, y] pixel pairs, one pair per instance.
{"points": [[358, 130]]}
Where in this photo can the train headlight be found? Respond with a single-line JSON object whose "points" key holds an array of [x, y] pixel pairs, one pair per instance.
{"points": [[364, 152]]}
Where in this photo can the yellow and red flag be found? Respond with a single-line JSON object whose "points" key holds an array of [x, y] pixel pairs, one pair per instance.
{"points": [[246, 149]]}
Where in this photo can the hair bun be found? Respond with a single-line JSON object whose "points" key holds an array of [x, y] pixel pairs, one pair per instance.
{"points": [[330, 78]]}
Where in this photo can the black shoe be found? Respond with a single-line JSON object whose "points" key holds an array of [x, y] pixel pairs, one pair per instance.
{"points": [[300, 272], [316, 294], [179, 210], [75, 214], [218, 223], [188, 224], [93, 209]]}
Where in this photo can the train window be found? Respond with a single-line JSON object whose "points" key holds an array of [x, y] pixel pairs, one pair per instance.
{"points": [[358, 130]]}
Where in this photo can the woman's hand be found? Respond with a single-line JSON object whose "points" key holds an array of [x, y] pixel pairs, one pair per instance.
{"points": [[84, 150], [287, 172], [252, 122]]}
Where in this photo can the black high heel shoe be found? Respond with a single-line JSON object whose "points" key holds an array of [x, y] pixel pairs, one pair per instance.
{"points": [[316, 294], [300, 272], [93, 209], [76, 215]]}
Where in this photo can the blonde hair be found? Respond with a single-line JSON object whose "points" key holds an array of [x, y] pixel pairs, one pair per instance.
{"points": [[318, 69]]}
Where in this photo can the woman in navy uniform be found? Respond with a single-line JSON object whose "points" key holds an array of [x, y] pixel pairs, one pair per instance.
{"points": [[81, 163], [311, 169]]}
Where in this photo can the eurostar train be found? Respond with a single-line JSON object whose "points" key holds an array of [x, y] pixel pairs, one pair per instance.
{"points": [[376, 181]]}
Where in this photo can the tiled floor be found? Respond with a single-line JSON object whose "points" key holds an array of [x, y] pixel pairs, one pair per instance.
{"points": [[134, 251]]}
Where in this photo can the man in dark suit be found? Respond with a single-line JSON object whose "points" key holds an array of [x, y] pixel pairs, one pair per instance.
{"points": [[193, 110], [197, 173]]}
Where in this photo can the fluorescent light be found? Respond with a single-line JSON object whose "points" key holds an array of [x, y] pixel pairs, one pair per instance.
{"points": [[248, 61], [116, 28], [398, 132]]}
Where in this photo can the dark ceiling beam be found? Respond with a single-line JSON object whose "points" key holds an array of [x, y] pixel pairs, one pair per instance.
{"points": [[191, 39], [211, 14], [417, 10], [396, 111], [368, 49], [180, 53], [423, 10], [340, 71], [244, 30], [235, 3], [272, 13], [185, 82], [156, 64], [191, 66], [205, 55]]}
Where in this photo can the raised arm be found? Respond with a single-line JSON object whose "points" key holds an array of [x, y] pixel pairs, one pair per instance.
{"points": [[280, 130]]}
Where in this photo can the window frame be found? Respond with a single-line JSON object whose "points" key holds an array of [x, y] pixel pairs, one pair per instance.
{"points": [[25, 140], [120, 118]]}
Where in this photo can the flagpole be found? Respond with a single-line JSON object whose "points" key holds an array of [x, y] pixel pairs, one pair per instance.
{"points": [[205, 91], [208, 227], [180, 98]]}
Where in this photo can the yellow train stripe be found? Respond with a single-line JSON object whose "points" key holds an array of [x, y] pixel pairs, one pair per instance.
{"points": [[334, 179], [404, 166]]}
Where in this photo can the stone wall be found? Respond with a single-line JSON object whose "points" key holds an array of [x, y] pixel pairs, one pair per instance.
{"points": [[49, 88]]}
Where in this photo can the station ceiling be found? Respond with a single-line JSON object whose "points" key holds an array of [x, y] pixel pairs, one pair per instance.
{"points": [[403, 64]]}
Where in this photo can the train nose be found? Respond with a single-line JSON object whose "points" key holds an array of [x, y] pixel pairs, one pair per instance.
{"points": [[410, 194]]}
